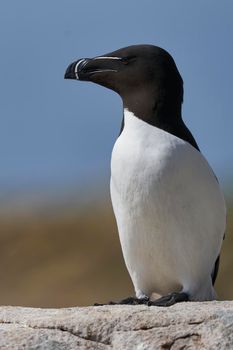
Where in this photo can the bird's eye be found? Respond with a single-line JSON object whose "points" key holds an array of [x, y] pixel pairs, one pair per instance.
{"points": [[127, 60]]}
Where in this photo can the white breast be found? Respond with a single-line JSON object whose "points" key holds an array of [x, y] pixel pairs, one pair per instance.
{"points": [[169, 210]]}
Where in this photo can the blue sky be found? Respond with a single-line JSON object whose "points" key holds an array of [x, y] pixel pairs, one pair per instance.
{"points": [[56, 133]]}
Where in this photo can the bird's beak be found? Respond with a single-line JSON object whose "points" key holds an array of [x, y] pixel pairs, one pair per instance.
{"points": [[74, 70], [86, 68]]}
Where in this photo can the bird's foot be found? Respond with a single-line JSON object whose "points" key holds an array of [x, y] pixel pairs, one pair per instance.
{"points": [[134, 301], [128, 301], [169, 299]]}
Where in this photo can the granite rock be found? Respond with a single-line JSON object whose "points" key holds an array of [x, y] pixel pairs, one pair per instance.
{"points": [[190, 325]]}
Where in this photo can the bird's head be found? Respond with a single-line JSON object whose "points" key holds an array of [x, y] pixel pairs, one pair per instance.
{"points": [[140, 74]]}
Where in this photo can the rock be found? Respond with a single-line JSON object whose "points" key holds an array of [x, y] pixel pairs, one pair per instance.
{"points": [[191, 325]]}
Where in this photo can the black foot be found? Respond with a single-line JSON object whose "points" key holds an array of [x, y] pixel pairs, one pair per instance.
{"points": [[127, 301], [169, 299], [134, 301]]}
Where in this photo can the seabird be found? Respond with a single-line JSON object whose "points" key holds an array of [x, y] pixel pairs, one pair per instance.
{"points": [[169, 207]]}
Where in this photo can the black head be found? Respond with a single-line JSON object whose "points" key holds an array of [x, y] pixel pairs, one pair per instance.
{"points": [[147, 79], [145, 76], [138, 73]]}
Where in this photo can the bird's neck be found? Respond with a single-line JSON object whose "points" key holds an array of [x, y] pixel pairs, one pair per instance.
{"points": [[162, 113]]}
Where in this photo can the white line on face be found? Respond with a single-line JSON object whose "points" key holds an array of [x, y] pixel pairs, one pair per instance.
{"points": [[107, 58], [76, 68]]}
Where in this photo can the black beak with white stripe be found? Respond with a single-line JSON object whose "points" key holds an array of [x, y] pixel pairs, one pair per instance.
{"points": [[74, 69], [99, 70]]}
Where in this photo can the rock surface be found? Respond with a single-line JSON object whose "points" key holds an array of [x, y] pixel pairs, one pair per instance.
{"points": [[206, 325]]}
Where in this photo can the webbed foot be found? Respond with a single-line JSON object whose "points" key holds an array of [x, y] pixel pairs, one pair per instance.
{"points": [[169, 299], [127, 301]]}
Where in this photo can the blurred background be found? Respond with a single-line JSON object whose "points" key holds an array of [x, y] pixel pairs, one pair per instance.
{"points": [[58, 238]]}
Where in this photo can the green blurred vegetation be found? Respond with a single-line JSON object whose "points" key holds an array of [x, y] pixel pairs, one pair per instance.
{"points": [[72, 256]]}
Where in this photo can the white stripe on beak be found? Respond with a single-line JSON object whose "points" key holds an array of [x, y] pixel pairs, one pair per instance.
{"points": [[76, 68]]}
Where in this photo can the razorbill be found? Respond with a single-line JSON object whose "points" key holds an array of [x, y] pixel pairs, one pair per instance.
{"points": [[169, 208]]}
